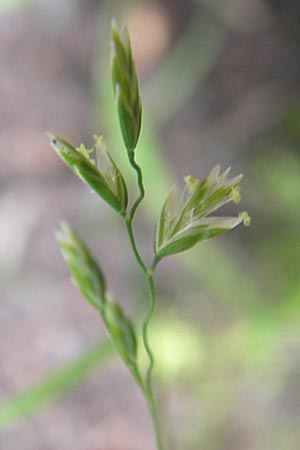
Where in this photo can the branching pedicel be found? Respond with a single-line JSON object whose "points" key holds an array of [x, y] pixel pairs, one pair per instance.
{"points": [[185, 219]]}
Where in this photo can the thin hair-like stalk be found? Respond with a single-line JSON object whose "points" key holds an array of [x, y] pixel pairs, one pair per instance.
{"points": [[147, 387], [141, 196]]}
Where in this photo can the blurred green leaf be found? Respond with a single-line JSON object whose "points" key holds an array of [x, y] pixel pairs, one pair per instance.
{"points": [[31, 400], [197, 50]]}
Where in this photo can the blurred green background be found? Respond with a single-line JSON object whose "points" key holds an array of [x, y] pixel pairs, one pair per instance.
{"points": [[220, 83]]}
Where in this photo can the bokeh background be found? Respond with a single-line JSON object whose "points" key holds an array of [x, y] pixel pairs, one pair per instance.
{"points": [[220, 83]]}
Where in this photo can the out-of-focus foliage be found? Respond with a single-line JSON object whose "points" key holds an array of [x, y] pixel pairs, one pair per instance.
{"points": [[40, 395]]}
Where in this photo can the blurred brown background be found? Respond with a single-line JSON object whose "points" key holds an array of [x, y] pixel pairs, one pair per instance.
{"points": [[220, 83]]}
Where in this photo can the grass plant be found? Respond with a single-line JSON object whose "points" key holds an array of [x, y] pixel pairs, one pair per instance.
{"points": [[187, 218]]}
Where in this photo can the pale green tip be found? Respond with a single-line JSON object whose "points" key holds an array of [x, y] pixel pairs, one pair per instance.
{"points": [[236, 194], [51, 136], [244, 216], [61, 233]]}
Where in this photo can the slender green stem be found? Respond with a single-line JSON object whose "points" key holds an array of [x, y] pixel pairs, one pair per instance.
{"points": [[137, 168], [154, 417], [154, 264], [128, 223], [138, 377], [147, 386], [145, 328], [150, 284], [148, 381]]}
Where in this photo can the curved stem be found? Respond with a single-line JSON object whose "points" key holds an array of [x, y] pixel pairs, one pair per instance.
{"points": [[147, 386], [149, 278], [137, 168], [148, 381], [128, 223], [145, 328]]}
